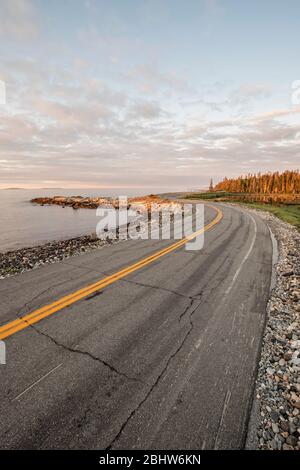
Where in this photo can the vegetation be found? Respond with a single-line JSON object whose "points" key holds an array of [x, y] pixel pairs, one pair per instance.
{"points": [[224, 195], [288, 213], [276, 193], [287, 182]]}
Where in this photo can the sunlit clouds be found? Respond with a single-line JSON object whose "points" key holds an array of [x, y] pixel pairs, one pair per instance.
{"points": [[90, 107]]}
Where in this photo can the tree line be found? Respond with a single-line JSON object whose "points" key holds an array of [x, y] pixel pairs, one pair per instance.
{"points": [[287, 182]]}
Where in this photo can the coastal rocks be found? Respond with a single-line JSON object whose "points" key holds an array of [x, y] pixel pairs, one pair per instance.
{"points": [[76, 202], [25, 259], [145, 203], [277, 393]]}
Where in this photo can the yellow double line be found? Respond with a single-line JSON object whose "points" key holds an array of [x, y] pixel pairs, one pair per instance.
{"points": [[20, 323]]}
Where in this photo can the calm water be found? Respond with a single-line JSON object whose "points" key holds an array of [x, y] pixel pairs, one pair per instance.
{"points": [[24, 224]]}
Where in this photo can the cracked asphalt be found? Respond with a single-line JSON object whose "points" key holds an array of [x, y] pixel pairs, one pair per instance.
{"points": [[165, 358]]}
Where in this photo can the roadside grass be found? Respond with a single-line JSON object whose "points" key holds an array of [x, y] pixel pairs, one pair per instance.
{"points": [[212, 195], [287, 212]]}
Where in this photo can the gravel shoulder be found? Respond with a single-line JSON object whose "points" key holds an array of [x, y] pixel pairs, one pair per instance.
{"points": [[275, 417]]}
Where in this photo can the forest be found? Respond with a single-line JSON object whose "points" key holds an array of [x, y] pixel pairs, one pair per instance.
{"points": [[287, 182]]}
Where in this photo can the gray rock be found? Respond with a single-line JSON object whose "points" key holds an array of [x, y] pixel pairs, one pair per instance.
{"points": [[292, 441], [285, 426], [275, 428], [278, 381], [274, 416]]}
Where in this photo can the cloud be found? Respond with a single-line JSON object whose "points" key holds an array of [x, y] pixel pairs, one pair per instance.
{"points": [[277, 113], [248, 92], [18, 20], [146, 110], [150, 80], [55, 128]]}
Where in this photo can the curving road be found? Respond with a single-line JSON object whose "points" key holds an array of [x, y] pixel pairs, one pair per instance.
{"points": [[163, 357]]}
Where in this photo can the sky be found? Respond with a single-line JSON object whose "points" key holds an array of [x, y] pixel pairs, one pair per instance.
{"points": [[147, 93]]}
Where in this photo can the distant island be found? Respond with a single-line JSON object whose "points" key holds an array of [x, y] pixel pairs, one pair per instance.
{"points": [[10, 189]]}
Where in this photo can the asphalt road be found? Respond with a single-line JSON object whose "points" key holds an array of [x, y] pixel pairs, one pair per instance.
{"points": [[163, 358]]}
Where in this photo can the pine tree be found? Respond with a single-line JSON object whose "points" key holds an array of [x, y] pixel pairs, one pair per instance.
{"points": [[287, 182]]}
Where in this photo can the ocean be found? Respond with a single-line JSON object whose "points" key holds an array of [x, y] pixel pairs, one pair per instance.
{"points": [[23, 224]]}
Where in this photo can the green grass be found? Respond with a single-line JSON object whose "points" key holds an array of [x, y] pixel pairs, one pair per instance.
{"points": [[287, 212], [212, 195]]}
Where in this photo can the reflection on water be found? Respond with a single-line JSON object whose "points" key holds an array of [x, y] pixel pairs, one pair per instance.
{"points": [[24, 224]]}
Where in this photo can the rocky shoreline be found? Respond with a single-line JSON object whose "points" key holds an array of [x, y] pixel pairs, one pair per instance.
{"points": [[144, 203], [25, 259], [275, 417]]}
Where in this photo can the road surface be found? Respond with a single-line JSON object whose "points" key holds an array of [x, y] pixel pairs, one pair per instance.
{"points": [[163, 357]]}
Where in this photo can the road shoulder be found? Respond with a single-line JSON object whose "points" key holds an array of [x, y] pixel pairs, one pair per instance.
{"points": [[275, 417]]}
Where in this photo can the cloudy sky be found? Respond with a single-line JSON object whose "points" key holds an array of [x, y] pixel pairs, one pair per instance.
{"points": [[147, 93]]}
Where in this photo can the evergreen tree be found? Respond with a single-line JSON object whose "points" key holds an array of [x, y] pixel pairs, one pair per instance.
{"points": [[287, 182]]}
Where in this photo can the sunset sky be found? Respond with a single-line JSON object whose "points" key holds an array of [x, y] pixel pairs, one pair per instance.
{"points": [[147, 93]]}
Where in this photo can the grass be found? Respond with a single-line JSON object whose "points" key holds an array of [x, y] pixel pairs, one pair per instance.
{"points": [[212, 195], [287, 212]]}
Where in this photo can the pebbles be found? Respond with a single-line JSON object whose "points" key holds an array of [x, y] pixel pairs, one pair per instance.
{"points": [[277, 386], [25, 259]]}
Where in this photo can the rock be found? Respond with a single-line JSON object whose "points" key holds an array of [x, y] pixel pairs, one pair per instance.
{"points": [[285, 425], [292, 441], [275, 428], [292, 428], [288, 273], [140, 204], [295, 400], [274, 416], [278, 381], [273, 444]]}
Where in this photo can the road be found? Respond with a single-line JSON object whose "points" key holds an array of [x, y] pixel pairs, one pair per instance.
{"points": [[163, 357]]}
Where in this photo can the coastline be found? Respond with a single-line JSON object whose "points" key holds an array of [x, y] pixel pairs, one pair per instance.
{"points": [[24, 259], [17, 261]]}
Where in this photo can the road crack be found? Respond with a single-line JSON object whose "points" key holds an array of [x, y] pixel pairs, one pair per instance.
{"points": [[163, 371], [26, 304], [164, 289], [85, 353]]}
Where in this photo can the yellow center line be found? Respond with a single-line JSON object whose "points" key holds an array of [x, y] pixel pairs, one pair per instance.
{"points": [[20, 323]]}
